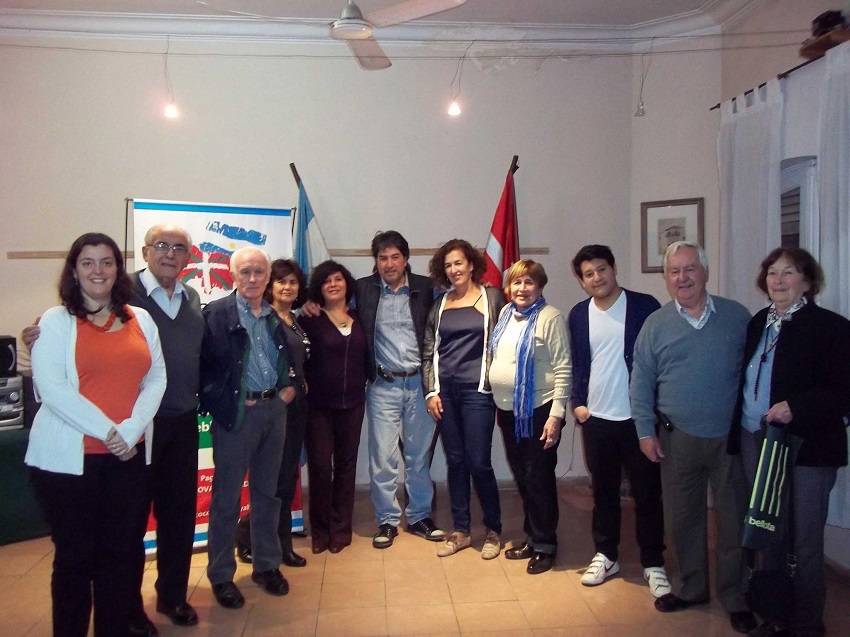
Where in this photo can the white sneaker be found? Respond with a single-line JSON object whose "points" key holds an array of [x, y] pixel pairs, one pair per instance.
{"points": [[600, 569], [656, 577]]}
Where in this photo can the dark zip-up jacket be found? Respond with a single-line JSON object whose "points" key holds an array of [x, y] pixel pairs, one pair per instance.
{"points": [[223, 358], [368, 295]]}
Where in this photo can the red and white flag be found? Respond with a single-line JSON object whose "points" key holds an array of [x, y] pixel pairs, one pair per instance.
{"points": [[502, 249]]}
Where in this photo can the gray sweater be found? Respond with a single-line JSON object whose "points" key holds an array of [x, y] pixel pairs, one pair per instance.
{"points": [[690, 375]]}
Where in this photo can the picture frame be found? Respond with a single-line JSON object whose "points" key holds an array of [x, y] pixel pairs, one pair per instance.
{"points": [[665, 222]]}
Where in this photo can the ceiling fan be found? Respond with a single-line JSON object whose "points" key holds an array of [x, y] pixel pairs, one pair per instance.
{"points": [[357, 30]]}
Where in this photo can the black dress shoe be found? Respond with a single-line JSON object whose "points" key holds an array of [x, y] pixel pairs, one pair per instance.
{"points": [[244, 554], [272, 582], [227, 595], [333, 547], [142, 626], [670, 603], [291, 558], [742, 621], [319, 546], [521, 552], [181, 615], [540, 563]]}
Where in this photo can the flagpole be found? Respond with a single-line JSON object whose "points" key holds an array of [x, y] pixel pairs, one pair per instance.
{"points": [[297, 183], [515, 167], [298, 177]]}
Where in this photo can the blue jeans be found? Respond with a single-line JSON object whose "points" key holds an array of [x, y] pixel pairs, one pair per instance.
{"points": [[467, 432], [254, 446], [396, 410]]}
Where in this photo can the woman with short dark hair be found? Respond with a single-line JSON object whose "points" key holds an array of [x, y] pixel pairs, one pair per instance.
{"points": [[336, 376], [797, 375], [98, 368]]}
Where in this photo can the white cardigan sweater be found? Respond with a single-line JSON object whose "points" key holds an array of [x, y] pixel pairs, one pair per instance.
{"points": [[56, 438]]}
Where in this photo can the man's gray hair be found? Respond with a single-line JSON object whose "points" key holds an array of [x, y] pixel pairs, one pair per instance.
{"points": [[162, 228], [673, 248], [236, 256]]}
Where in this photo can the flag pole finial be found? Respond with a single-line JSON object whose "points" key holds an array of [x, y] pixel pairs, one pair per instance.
{"points": [[514, 164]]}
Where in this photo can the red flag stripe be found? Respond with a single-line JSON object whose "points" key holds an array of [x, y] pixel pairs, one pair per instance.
{"points": [[502, 249]]}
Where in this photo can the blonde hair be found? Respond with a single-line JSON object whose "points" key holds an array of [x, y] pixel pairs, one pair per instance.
{"points": [[523, 267]]}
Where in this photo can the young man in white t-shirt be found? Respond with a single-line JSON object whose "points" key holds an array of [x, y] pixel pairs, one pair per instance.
{"points": [[603, 330]]}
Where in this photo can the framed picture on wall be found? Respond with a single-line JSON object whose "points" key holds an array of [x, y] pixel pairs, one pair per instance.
{"points": [[665, 222]]}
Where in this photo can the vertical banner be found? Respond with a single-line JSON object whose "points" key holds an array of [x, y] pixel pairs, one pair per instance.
{"points": [[217, 231]]}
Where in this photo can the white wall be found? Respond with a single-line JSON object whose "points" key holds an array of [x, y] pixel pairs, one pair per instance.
{"points": [[82, 130], [673, 149]]}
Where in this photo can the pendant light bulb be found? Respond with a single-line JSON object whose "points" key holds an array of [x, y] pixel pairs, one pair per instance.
{"points": [[171, 111], [641, 111], [454, 109]]}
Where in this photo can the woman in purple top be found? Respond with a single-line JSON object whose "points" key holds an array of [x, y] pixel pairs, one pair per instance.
{"points": [[455, 362], [336, 376]]}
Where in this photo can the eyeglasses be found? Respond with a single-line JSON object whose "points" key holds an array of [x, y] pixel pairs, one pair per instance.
{"points": [[162, 246]]}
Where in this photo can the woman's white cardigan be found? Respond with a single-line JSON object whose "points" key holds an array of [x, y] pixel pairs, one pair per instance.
{"points": [[56, 438]]}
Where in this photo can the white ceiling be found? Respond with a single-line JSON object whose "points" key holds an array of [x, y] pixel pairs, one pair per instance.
{"points": [[501, 19]]}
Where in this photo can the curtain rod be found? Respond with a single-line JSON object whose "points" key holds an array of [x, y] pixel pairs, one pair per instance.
{"points": [[781, 76]]}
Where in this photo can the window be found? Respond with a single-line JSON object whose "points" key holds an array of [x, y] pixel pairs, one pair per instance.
{"points": [[800, 204]]}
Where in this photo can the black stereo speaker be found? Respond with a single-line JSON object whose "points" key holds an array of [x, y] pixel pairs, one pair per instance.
{"points": [[8, 356]]}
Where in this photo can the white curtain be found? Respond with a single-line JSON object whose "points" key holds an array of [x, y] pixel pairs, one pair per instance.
{"points": [[834, 194], [749, 154]]}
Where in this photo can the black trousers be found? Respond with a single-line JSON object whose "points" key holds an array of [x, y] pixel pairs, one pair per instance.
{"points": [[333, 437], [174, 494], [533, 469], [609, 446], [98, 524], [296, 423]]}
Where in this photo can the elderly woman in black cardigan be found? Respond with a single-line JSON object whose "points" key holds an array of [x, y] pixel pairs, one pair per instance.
{"points": [[797, 375]]}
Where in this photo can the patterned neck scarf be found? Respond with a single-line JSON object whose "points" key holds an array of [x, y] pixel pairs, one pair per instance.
{"points": [[524, 373], [773, 318]]}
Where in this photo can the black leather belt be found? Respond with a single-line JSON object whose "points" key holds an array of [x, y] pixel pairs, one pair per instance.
{"points": [[390, 376], [261, 395]]}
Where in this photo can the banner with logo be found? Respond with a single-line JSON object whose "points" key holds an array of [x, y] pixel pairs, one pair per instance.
{"points": [[217, 231]]}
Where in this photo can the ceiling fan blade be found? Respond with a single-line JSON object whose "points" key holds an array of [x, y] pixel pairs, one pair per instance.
{"points": [[410, 10], [369, 54]]}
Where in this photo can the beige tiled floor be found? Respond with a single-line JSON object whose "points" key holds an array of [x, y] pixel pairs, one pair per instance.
{"points": [[407, 590]]}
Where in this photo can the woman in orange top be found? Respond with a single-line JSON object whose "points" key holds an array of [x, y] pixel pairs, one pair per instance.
{"points": [[99, 372]]}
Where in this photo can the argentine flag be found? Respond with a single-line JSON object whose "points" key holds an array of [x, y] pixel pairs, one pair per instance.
{"points": [[310, 248]]}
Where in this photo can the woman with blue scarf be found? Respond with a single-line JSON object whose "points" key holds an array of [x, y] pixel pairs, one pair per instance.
{"points": [[530, 378]]}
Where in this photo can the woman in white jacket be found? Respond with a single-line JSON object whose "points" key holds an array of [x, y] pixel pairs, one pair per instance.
{"points": [[99, 372]]}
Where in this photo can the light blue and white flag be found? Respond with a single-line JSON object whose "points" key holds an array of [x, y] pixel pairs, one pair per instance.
{"points": [[310, 247]]}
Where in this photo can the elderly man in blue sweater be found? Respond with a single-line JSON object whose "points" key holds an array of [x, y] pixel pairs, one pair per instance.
{"points": [[687, 359]]}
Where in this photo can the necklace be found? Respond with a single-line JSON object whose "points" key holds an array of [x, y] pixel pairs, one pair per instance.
{"points": [[106, 326], [343, 324], [768, 347]]}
